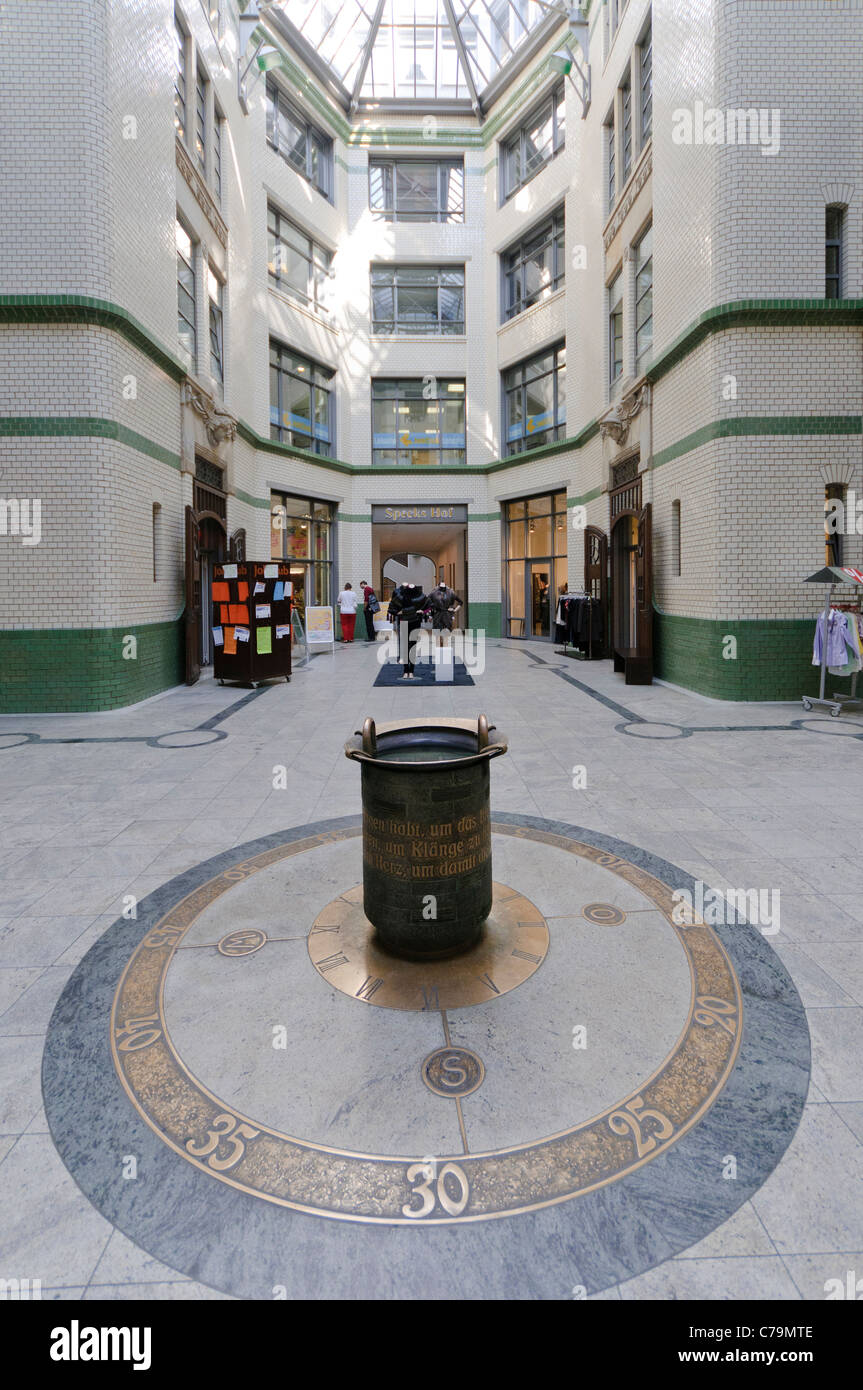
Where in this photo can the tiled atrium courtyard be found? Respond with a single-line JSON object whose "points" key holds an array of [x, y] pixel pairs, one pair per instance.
{"points": [[702, 1083]]}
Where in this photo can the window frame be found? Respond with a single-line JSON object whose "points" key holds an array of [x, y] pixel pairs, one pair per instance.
{"points": [[315, 139], [438, 328], [216, 323], [320, 378], [555, 98], [192, 294], [181, 79], [645, 87], [442, 213], [511, 447], [218, 121], [555, 223], [836, 243], [640, 295], [430, 451], [615, 309], [202, 84], [312, 299]]}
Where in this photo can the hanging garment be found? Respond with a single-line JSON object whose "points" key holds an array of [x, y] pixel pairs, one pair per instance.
{"points": [[835, 639]]}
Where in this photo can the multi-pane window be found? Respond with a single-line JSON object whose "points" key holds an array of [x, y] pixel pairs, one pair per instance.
{"points": [[213, 10], [301, 401], [215, 291], [646, 79], [834, 509], [417, 190], [615, 327], [535, 267], [644, 296], [418, 299], [535, 401], [299, 143], [186, 294], [201, 120], [419, 421], [179, 80], [626, 129], [301, 531], [834, 227], [612, 161], [297, 264], [675, 538], [218, 118], [525, 152]]}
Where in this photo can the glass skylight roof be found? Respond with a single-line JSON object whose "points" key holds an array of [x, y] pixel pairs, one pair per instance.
{"points": [[416, 50]]}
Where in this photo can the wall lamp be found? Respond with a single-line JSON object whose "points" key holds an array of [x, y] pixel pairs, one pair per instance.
{"points": [[564, 62], [264, 55]]}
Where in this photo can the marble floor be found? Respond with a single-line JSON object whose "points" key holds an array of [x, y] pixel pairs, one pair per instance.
{"points": [[100, 809]]}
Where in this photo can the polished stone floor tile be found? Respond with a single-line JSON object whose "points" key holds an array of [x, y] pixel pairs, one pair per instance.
{"points": [[837, 1047], [741, 1235], [729, 1279], [62, 1251], [813, 1202]]}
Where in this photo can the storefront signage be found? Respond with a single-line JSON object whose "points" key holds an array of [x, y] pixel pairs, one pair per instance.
{"points": [[424, 511]]}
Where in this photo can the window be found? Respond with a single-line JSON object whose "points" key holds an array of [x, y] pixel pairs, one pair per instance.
{"points": [[201, 120], [179, 80], [525, 152], [301, 401], [157, 518], [646, 78], [418, 422], [417, 190], [213, 11], [301, 532], [417, 299], [535, 267], [644, 296], [297, 264], [535, 401], [615, 327], [615, 14], [218, 119], [834, 229], [299, 143], [186, 295], [675, 537], [609, 136], [626, 130], [215, 291], [834, 522]]}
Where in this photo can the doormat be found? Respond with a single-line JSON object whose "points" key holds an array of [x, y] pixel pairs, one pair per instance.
{"points": [[392, 672]]}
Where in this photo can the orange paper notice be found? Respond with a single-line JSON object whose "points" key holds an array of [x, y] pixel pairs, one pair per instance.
{"points": [[242, 590], [225, 612], [239, 613], [230, 641], [221, 592]]}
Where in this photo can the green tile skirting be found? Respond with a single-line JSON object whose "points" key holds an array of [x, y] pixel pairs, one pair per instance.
{"points": [[71, 670], [773, 662], [484, 617]]}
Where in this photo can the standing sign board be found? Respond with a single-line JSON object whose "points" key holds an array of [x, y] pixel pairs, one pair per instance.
{"points": [[320, 628], [252, 620]]}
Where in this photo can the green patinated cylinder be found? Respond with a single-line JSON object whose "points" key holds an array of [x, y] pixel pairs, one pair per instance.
{"points": [[427, 869]]}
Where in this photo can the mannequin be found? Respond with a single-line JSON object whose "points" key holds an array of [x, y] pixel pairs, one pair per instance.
{"points": [[407, 605], [444, 603]]}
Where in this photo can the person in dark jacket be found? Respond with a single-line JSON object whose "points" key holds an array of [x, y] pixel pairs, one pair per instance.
{"points": [[443, 604], [370, 607], [407, 605]]}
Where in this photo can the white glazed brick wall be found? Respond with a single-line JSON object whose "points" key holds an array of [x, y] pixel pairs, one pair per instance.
{"points": [[726, 228]]}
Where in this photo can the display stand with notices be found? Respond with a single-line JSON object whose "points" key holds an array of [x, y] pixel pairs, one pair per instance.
{"points": [[252, 621]]}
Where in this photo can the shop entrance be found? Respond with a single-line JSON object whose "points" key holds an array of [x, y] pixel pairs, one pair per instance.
{"points": [[632, 596], [425, 550]]}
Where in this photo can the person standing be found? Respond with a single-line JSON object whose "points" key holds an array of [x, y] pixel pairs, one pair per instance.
{"points": [[347, 601], [371, 606]]}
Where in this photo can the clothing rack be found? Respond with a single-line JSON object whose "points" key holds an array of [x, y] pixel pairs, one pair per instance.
{"points": [[572, 651], [833, 575]]}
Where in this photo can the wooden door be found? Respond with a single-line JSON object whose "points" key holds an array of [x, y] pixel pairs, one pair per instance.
{"points": [[193, 598], [644, 584], [596, 573]]}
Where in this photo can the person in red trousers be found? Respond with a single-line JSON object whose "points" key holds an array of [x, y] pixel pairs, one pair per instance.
{"points": [[347, 601]]}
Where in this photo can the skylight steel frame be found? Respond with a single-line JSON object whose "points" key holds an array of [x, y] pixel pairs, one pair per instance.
{"points": [[483, 80]]}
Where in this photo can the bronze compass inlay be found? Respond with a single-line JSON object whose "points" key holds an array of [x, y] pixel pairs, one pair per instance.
{"points": [[344, 951], [371, 1187]]}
